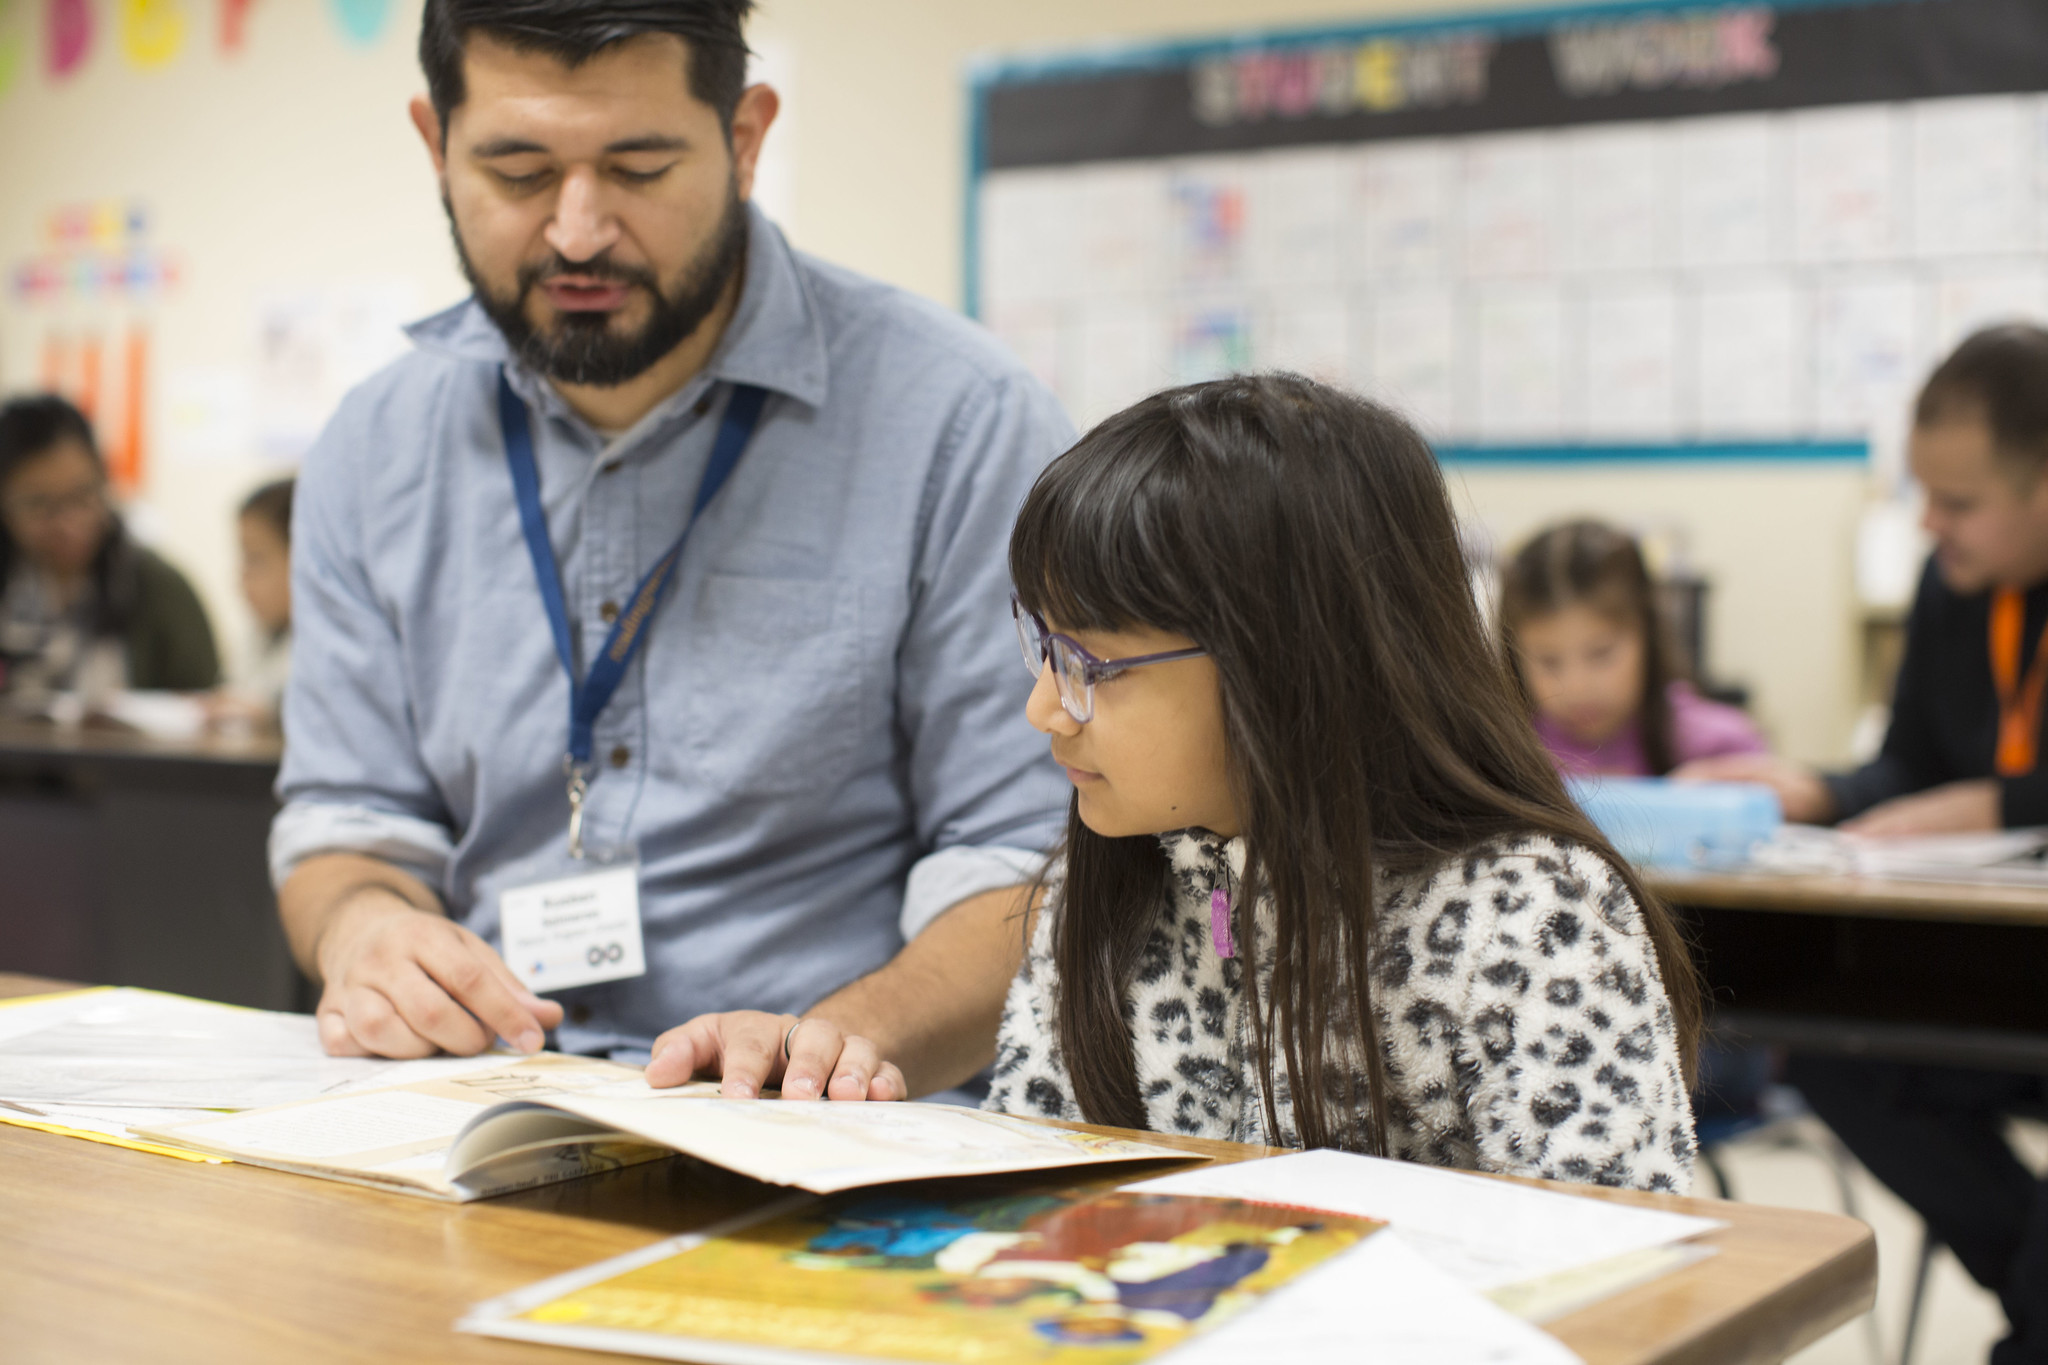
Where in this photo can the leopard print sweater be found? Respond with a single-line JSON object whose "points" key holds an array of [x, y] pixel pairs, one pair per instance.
{"points": [[1520, 1009]]}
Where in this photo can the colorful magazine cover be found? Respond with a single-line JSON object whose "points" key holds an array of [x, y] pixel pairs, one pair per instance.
{"points": [[989, 1272]]}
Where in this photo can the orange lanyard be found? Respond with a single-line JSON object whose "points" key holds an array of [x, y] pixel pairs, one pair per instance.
{"points": [[2019, 704]]}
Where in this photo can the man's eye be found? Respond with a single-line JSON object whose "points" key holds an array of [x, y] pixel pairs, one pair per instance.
{"points": [[528, 181], [631, 176]]}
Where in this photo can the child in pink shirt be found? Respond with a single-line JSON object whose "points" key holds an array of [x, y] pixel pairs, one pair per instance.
{"points": [[1579, 618]]}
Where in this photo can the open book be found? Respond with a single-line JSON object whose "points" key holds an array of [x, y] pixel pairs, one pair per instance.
{"points": [[538, 1120]]}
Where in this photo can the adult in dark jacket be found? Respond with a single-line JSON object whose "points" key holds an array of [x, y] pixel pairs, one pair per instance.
{"points": [[83, 607], [1964, 753]]}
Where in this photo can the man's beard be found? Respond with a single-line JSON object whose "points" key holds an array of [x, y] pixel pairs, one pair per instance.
{"points": [[581, 348]]}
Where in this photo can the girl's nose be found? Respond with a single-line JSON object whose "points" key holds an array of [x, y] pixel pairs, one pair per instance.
{"points": [[1044, 710]]}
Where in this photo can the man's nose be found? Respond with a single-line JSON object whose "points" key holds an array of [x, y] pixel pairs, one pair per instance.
{"points": [[582, 227]]}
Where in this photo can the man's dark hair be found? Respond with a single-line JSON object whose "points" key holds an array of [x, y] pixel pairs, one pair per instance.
{"points": [[574, 31], [1999, 377]]}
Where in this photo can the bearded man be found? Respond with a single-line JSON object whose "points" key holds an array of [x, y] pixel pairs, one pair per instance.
{"points": [[653, 664]]}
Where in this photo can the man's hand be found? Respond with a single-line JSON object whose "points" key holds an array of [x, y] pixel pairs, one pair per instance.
{"points": [[399, 979], [1805, 798], [744, 1048], [1957, 808]]}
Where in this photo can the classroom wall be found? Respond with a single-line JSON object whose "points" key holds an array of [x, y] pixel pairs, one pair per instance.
{"points": [[287, 183]]}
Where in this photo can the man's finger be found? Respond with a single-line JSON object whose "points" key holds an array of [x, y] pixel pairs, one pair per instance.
{"points": [[678, 1055], [335, 1039], [433, 1013], [471, 977], [889, 1084], [749, 1052], [858, 1062], [376, 1026], [814, 1050]]}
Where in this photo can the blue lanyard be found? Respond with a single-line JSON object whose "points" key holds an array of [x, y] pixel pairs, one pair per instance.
{"points": [[589, 697]]}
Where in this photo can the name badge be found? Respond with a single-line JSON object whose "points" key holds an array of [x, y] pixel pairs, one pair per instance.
{"points": [[574, 932]]}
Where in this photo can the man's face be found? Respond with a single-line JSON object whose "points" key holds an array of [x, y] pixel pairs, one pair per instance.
{"points": [[597, 209], [1989, 521]]}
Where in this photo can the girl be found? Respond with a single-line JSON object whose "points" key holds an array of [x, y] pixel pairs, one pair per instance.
{"points": [[1579, 617], [263, 529], [1321, 885]]}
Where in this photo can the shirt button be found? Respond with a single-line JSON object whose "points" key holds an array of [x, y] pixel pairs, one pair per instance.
{"points": [[609, 611], [611, 468], [703, 405], [621, 756], [579, 1013]]}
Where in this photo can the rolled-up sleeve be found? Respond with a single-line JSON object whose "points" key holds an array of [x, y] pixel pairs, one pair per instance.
{"points": [[980, 777], [352, 778]]}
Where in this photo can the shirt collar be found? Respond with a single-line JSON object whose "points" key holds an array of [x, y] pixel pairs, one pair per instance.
{"points": [[775, 340]]}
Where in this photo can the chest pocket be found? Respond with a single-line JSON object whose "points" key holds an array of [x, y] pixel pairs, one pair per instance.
{"points": [[770, 704]]}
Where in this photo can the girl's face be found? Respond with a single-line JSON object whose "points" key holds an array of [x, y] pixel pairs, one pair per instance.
{"points": [[1585, 669], [1152, 758], [266, 573]]}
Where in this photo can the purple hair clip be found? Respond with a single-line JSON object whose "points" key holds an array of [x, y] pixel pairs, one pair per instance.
{"points": [[1219, 924]]}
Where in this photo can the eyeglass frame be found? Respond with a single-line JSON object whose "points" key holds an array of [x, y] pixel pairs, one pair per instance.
{"points": [[1093, 670]]}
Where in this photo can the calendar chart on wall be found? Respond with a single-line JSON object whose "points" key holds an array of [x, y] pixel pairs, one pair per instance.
{"points": [[1636, 232]]}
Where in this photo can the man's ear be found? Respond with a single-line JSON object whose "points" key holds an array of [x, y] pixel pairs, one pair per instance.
{"points": [[750, 119], [429, 124]]}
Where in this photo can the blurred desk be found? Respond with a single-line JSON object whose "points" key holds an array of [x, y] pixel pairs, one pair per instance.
{"points": [[1948, 973], [127, 1256], [140, 862]]}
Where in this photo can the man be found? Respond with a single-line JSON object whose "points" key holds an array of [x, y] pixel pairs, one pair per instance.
{"points": [[1963, 753], [796, 781]]}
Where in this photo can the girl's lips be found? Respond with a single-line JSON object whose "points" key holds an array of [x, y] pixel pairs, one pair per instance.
{"points": [[1077, 776]]}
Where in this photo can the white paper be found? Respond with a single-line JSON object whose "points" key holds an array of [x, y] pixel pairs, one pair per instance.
{"points": [[1617, 197], [1483, 1233], [1972, 295], [1845, 193], [1125, 351], [1034, 333], [1972, 194], [1381, 1301], [132, 1048], [1211, 339], [359, 1123], [2008, 856], [1511, 184], [1632, 361], [1126, 222], [1867, 349], [1308, 332], [1754, 372], [1293, 218], [1208, 197], [1522, 339], [1731, 191], [1030, 229], [1405, 214], [1409, 355]]}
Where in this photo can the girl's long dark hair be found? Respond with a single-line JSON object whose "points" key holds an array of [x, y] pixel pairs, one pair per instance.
{"points": [[1304, 538], [1590, 564]]}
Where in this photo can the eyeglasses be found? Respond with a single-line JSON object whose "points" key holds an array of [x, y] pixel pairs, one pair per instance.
{"points": [[43, 508], [1075, 670]]}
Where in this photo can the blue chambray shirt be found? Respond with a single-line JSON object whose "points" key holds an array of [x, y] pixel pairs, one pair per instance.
{"points": [[830, 698]]}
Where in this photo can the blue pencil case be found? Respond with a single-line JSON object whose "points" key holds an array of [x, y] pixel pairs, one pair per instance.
{"points": [[1653, 822]]}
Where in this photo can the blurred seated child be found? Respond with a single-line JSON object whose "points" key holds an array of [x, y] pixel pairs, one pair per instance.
{"points": [[264, 528], [1579, 618]]}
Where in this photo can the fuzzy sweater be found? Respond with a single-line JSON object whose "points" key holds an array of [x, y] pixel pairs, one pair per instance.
{"points": [[1519, 1005]]}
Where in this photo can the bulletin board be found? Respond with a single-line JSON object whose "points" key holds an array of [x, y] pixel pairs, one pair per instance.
{"points": [[1662, 232]]}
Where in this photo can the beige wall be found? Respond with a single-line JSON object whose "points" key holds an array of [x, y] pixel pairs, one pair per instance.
{"points": [[292, 165]]}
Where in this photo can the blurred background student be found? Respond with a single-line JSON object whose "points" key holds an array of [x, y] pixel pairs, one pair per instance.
{"points": [[263, 528], [1606, 687], [83, 607]]}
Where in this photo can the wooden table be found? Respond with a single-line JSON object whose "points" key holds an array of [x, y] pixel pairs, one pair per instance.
{"points": [[140, 861], [108, 1254], [1912, 971]]}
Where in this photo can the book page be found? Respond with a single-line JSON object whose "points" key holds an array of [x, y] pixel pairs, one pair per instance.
{"points": [[825, 1147], [1484, 1233]]}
